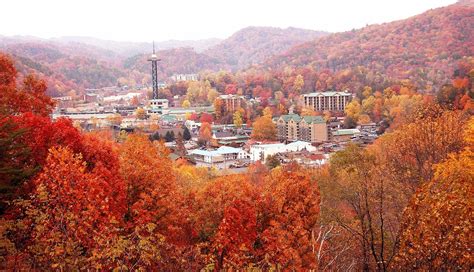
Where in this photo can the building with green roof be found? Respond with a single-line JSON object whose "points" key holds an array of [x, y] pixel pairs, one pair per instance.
{"points": [[292, 127]]}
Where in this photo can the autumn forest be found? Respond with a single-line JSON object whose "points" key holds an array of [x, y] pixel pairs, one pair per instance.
{"points": [[75, 199]]}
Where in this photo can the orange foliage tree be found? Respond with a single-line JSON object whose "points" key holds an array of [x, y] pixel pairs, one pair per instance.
{"points": [[69, 209], [429, 135], [155, 225], [30, 97], [205, 132], [291, 205], [437, 224]]}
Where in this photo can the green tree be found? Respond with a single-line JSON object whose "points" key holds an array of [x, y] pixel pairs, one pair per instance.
{"points": [[349, 122], [180, 148], [155, 136], [13, 155]]}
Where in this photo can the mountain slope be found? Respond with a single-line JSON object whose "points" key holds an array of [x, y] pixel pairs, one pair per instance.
{"points": [[252, 45], [128, 49], [74, 67], [76, 63], [424, 48], [173, 61]]}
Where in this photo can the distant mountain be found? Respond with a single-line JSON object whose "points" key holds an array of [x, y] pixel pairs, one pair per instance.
{"points": [[466, 3], [66, 68], [128, 49], [173, 61], [79, 63], [246, 47], [424, 48], [252, 45]]}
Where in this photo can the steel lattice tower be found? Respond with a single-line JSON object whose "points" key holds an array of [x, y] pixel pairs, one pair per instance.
{"points": [[154, 72]]}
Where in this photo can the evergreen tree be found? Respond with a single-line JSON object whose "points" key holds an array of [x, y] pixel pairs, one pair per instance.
{"points": [[186, 134], [180, 148], [169, 136], [155, 137]]}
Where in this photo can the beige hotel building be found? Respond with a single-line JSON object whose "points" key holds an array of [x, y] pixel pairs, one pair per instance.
{"points": [[327, 101]]}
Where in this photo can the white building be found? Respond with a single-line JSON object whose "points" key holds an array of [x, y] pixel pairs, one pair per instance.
{"points": [[124, 97], [184, 77], [260, 152], [300, 146], [192, 125], [159, 106], [220, 158]]}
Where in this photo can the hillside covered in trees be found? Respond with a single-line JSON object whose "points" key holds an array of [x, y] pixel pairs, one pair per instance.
{"points": [[66, 68], [423, 49], [72, 200], [252, 45], [77, 63]]}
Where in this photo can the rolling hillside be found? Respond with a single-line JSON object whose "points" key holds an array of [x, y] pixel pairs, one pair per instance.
{"points": [[66, 68], [252, 45], [76, 63], [424, 48]]}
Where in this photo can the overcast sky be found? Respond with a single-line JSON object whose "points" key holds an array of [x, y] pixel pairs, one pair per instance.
{"points": [[141, 20]]}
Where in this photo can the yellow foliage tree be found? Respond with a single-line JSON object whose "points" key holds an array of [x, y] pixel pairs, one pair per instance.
{"points": [[263, 129], [186, 104], [437, 225], [237, 119], [353, 109], [140, 113], [267, 112], [308, 111]]}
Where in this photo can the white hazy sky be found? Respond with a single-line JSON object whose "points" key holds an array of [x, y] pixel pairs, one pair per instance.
{"points": [[142, 20]]}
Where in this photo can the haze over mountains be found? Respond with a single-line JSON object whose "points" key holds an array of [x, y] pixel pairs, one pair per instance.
{"points": [[133, 48], [429, 44]]}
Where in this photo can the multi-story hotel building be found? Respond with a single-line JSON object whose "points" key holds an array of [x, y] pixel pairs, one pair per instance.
{"points": [[327, 101], [292, 127], [231, 102]]}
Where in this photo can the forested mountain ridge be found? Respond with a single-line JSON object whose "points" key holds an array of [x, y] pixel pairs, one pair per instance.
{"points": [[66, 68], [173, 61], [252, 45], [77, 63], [424, 49], [128, 49]]}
